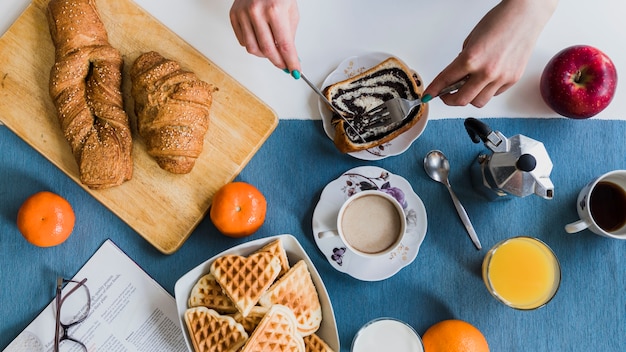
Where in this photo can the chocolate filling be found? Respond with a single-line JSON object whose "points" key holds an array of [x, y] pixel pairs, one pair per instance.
{"points": [[368, 92]]}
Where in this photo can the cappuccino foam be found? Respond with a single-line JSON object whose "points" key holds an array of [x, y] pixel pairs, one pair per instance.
{"points": [[371, 224]]}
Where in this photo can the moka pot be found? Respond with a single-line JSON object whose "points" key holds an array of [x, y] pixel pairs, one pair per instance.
{"points": [[516, 166]]}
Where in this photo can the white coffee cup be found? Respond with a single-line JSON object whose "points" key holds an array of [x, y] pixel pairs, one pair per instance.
{"points": [[370, 223], [601, 206]]}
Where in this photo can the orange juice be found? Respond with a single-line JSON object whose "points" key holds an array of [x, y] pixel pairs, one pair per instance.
{"points": [[522, 272]]}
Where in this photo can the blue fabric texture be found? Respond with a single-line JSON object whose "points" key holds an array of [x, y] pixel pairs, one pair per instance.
{"points": [[587, 314]]}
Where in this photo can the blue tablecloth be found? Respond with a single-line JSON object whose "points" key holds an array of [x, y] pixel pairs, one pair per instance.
{"points": [[291, 169]]}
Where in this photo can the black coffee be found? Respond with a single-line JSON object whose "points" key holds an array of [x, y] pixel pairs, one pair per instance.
{"points": [[608, 206]]}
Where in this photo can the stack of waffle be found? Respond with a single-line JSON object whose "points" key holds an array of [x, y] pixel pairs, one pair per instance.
{"points": [[255, 303]]}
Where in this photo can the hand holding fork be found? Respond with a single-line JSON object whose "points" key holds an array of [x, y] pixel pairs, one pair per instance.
{"points": [[397, 109]]}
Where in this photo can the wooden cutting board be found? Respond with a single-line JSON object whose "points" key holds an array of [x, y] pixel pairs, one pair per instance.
{"points": [[163, 208]]}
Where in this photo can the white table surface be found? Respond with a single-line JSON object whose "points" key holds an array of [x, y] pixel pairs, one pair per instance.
{"points": [[425, 34]]}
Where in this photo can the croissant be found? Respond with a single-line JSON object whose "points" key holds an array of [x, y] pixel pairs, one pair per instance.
{"points": [[85, 86], [172, 107]]}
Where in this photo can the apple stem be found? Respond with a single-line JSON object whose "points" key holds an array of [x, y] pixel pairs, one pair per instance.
{"points": [[578, 77]]}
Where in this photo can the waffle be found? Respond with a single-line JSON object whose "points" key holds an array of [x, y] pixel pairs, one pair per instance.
{"points": [[314, 343], [296, 290], [276, 248], [276, 332], [208, 293], [212, 332], [245, 279], [252, 320]]}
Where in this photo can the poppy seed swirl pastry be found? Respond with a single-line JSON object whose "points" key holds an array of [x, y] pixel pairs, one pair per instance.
{"points": [[172, 107], [365, 91], [85, 86]]}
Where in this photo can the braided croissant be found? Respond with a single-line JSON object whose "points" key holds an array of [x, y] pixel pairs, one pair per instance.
{"points": [[172, 107], [85, 85]]}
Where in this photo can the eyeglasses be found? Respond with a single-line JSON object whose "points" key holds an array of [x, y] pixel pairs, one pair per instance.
{"points": [[72, 308]]}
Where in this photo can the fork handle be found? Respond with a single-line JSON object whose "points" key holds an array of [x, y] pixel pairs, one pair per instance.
{"points": [[451, 88]]}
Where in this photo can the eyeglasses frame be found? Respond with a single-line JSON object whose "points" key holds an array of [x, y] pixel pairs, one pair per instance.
{"points": [[59, 299]]}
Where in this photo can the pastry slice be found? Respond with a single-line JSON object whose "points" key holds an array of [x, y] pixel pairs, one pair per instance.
{"points": [[296, 291], [245, 279], [212, 332], [356, 95], [276, 332]]}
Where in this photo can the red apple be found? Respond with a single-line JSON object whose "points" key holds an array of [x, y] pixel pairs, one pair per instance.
{"points": [[579, 82]]}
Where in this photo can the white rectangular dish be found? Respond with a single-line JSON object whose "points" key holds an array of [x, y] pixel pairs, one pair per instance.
{"points": [[295, 252]]}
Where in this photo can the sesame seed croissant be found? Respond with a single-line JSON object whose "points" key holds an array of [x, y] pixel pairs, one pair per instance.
{"points": [[172, 107], [85, 86]]}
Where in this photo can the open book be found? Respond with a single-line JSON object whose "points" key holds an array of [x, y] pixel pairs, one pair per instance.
{"points": [[129, 311]]}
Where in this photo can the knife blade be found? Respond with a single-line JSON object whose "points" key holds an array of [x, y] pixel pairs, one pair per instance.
{"points": [[334, 109]]}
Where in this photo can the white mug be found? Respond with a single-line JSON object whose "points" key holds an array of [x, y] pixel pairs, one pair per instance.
{"points": [[601, 206], [370, 223]]}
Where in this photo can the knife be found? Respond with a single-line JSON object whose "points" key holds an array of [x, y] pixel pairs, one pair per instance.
{"points": [[334, 109]]}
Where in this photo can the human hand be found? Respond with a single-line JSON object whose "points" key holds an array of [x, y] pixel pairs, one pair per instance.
{"points": [[495, 53], [267, 28]]}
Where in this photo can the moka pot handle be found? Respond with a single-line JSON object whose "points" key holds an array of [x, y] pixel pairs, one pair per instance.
{"points": [[477, 130]]}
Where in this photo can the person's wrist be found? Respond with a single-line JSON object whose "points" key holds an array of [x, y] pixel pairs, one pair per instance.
{"points": [[547, 5]]}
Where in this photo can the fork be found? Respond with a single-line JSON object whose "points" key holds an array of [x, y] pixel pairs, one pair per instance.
{"points": [[397, 109]]}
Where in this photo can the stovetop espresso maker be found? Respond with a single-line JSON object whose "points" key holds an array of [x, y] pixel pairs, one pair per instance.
{"points": [[516, 166]]}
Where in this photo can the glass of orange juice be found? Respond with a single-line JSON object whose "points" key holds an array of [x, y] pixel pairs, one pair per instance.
{"points": [[522, 272]]}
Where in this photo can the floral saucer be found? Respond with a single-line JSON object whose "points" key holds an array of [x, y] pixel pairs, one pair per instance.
{"points": [[325, 218], [353, 66]]}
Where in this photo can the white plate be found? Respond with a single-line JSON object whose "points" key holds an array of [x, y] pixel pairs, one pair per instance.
{"points": [[325, 218], [353, 66], [295, 252]]}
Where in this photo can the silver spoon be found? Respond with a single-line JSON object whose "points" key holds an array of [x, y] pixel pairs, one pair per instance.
{"points": [[437, 167]]}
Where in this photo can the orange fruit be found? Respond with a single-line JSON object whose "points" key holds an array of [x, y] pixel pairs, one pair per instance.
{"points": [[45, 219], [454, 335], [238, 209]]}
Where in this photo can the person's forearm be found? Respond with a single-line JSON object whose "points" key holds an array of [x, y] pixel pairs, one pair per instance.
{"points": [[494, 55], [543, 9]]}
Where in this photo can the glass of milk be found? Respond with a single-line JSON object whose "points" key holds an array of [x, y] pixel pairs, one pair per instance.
{"points": [[387, 334]]}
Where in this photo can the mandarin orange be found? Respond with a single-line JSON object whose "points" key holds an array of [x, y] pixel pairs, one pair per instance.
{"points": [[238, 209], [454, 335], [45, 219]]}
